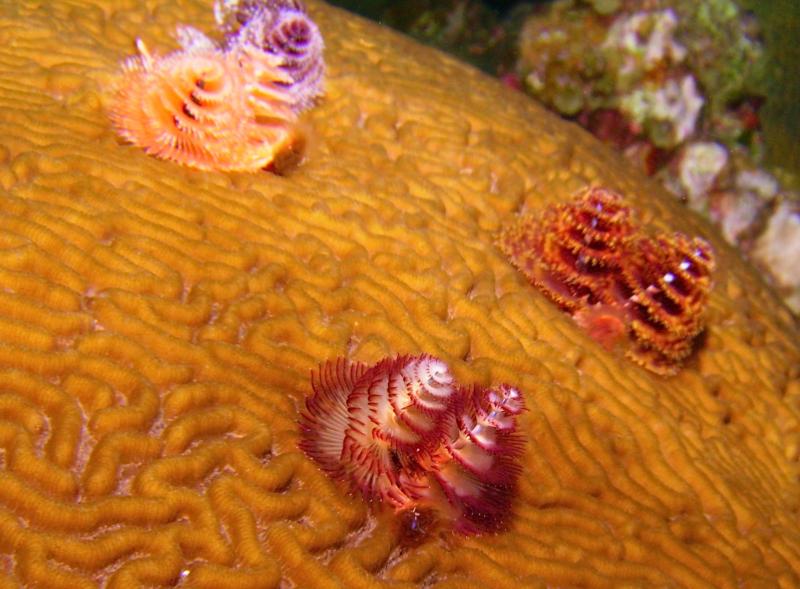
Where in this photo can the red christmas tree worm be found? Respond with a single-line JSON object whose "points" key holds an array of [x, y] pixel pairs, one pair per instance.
{"points": [[404, 433], [620, 284]]}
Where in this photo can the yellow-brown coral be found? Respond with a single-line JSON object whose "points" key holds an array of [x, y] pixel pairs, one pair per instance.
{"points": [[204, 108], [158, 326], [589, 259]]}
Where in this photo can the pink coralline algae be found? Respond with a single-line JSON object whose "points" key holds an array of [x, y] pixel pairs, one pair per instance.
{"points": [[405, 433]]}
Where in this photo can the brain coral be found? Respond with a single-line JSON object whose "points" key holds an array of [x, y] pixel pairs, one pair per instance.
{"points": [[158, 326]]}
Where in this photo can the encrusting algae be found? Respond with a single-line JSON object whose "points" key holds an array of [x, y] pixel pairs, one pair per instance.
{"points": [[158, 325]]}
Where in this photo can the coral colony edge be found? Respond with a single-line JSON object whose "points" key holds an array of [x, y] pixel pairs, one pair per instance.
{"points": [[404, 433], [623, 286], [228, 108]]}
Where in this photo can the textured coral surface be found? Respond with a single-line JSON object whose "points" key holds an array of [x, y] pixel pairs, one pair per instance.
{"points": [[158, 326]]}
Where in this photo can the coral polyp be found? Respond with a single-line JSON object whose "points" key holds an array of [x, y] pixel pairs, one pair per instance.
{"points": [[589, 258], [405, 433], [196, 108]]}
